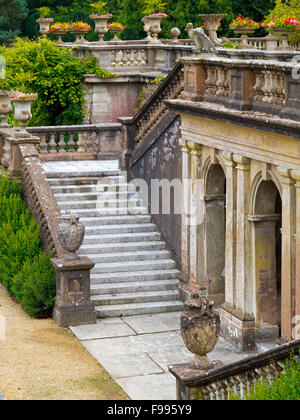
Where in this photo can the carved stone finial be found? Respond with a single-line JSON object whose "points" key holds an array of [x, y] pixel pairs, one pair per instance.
{"points": [[201, 40], [70, 235], [175, 33], [200, 329]]}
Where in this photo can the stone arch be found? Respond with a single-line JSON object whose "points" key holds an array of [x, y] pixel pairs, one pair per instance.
{"points": [[215, 230], [256, 184], [267, 249]]}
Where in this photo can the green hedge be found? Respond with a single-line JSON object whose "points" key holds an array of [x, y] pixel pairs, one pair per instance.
{"points": [[25, 269], [285, 388]]}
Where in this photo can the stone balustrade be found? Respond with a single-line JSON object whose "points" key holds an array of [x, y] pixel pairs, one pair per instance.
{"points": [[96, 139], [259, 86], [268, 43], [234, 379]]}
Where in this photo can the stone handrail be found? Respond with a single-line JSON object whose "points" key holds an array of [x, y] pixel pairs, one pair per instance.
{"points": [[263, 86], [234, 379], [268, 43], [21, 160], [154, 109], [75, 138]]}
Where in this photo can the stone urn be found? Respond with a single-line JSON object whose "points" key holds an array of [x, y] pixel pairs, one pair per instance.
{"points": [[45, 25], [23, 105], [152, 25], [212, 23], [101, 25], [5, 108], [283, 34], [115, 32], [70, 235], [80, 35], [244, 31], [200, 329], [60, 33]]}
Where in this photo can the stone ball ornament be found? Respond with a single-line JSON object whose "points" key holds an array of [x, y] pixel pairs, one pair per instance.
{"points": [[200, 329], [70, 235]]}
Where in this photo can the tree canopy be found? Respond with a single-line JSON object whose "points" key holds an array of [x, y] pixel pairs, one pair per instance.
{"points": [[12, 14]]}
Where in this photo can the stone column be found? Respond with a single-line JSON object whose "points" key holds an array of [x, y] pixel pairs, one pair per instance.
{"points": [[196, 279], [230, 249], [185, 220], [288, 230], [296, 176]]}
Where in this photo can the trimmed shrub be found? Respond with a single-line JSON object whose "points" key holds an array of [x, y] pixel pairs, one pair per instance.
{"points": [[25, 269], [285, 388]]}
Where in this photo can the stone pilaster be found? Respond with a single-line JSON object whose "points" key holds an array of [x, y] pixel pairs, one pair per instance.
{"points": [[288, 230], [296, 177], [230, 248], [244, 288], [185, 221], [196, 281]]}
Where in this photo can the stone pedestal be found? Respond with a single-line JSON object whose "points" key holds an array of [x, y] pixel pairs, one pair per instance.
{"points": [[73, 300]]}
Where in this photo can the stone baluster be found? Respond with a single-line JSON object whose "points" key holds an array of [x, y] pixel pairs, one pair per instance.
{"points": [[211, 80], [222, 82], [61, 143], [71, 143], [52, 143], [43, 144], [258, 87]]}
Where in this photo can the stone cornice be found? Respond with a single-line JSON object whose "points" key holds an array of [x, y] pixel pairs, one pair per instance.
{"points": [[249, 119]]}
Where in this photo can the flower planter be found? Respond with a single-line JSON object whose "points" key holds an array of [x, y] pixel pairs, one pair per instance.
{"points": [[101, 25], [44, 25], [80, 35], [212, 23], [5, 108], [60, 33], [23, 108], [244, 31], [152, 25], [283, 34]]}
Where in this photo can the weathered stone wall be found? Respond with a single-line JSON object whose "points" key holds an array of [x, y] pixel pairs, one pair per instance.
{"points": [[159, 158]]}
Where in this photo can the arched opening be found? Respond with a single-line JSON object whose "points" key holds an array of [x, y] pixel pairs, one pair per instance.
{"points": [[268, 250], [215, 232]]}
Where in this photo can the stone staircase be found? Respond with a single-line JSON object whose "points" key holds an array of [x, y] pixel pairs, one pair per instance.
{"points": [[134, 273]]}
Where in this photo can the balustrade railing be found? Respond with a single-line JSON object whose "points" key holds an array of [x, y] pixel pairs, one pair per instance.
{"points": [[74, 138], [234, 379]]}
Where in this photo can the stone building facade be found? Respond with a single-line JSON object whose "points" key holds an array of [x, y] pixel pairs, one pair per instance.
{"points": [[240, 233]]}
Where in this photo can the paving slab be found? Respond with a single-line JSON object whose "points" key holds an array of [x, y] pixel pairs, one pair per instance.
{"points": [[154, 323], [129, 365], [152, 387], [80, 166], [92, 332]]}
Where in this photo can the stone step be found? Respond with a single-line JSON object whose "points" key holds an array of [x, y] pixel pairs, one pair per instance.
{"points": [[80, 180], [121, 237], [134, 276], [116, 220], [83, 174], [136, 297], [99, 204], [121, 247], [102, 230], [130, 287], [138, 309], [119, 267], [94, 196], [109, 211], [130, 256], [94, 188]]}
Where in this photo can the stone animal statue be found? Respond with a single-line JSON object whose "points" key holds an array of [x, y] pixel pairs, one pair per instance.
{"points": [[201, 40]]}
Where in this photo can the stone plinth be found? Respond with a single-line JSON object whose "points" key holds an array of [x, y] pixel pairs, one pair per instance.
{"points": [[73, 300]]}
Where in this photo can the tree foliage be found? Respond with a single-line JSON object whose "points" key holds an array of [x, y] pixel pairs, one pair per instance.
{"points": [[55, 75], [12, 14]]}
